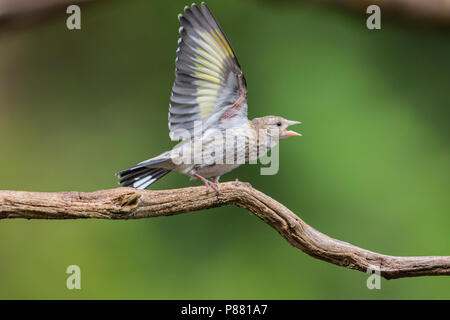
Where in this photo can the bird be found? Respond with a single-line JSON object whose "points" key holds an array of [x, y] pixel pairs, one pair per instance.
{"points": [[208, 111]]}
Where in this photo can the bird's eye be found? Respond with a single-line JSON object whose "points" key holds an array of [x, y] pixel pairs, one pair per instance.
{"points": [[279, 124]]}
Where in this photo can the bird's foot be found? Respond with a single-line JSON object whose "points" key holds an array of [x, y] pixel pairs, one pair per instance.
{"points": [[207, 183], [213, 185], [246, 183]]}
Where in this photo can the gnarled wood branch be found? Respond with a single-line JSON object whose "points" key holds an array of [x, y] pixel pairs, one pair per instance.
{"points": [[128, 203]]}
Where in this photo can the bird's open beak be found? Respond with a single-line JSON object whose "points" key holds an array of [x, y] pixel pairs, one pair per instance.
{"points": [[290, 133]]}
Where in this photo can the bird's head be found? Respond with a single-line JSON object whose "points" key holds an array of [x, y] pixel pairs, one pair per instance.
{"points": [[275, 124]]}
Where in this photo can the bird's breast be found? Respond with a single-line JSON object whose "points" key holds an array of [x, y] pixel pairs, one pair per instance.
{"points": [[227, 148]]}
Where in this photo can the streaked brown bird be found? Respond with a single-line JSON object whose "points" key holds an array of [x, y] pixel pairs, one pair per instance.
{"points": [[208, 110]]}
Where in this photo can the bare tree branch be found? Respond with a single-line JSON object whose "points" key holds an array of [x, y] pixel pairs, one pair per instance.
{"points": [[128, 203]]}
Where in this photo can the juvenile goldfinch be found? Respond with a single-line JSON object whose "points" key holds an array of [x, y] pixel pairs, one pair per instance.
{"points": [[208, 110]]}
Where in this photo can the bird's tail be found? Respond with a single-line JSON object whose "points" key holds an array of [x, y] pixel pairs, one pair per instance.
{"points": [[141, 175]]}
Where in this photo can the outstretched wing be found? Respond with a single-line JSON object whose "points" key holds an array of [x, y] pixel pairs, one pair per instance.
{"points": [[209, 85]]}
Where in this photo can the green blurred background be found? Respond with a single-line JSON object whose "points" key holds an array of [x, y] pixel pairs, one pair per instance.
{"points": [[372, 167]]}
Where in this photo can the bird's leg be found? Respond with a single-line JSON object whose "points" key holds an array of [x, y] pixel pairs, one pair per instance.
{"points": [[207, 183], [215, 179]]}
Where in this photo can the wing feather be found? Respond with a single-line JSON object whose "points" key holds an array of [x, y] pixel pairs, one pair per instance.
{"points": [[208, 78]]}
